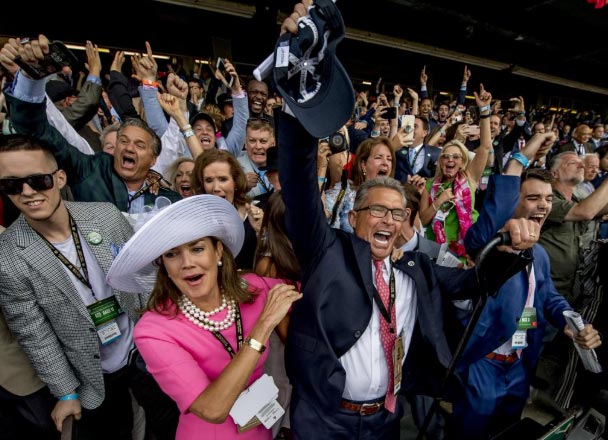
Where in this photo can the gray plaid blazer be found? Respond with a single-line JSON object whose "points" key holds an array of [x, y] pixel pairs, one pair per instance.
{"points": [[43, 309]]}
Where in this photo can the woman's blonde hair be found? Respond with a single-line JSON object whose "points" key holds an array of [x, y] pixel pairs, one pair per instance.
{"points": [[465, 157]]}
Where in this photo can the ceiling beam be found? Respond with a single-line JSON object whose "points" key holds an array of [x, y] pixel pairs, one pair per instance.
{"points": [[246, 11]]}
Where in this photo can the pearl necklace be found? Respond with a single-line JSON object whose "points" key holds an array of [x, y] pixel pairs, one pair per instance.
{"points": [[202, 319]]}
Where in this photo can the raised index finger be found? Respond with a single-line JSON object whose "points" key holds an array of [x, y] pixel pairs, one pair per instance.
{"points": [[149, 49]]}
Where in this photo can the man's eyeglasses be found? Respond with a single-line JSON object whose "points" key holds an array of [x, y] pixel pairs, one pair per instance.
{"points": [[448, 156], [379, 211], [38, 182]]}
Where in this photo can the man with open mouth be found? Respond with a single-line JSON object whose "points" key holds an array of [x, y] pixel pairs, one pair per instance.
{"points": [[124, 179], [500, 358]]}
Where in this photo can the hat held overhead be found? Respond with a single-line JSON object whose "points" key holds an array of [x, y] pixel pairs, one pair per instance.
{"points": [[309, 76]]}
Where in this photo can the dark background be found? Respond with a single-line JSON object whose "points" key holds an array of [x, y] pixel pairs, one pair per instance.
{"points": [[561, 38]]}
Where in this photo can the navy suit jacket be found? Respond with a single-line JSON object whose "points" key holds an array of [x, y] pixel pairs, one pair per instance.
{"points": [[501, 314], [338, 290], [403, 169]]}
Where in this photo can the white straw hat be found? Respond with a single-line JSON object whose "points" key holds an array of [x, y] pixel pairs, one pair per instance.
{"points": [[189, 219]]}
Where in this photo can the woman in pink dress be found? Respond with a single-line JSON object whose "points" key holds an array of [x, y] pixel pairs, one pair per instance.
{"points": [[204, 333]]}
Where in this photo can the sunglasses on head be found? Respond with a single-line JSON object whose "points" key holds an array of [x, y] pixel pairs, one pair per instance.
{"points": [[38, 182], [262, 118]]}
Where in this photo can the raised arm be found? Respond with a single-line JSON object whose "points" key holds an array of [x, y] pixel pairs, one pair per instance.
{"points": [[595, 205], [118, 90], [478, 164], [462, 93], [415, 100], [31, 118], [179, 133], [424, 93], [81, 111], [236, 138], [146, 70]]}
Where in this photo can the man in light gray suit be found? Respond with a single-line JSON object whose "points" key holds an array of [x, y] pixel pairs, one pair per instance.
{"points": [[75, 329]]}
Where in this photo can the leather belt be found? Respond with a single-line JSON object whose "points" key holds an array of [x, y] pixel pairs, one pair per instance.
{"points": [[508, 358], [364, 409]]}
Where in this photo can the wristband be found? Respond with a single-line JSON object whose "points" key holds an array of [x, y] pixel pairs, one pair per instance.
{"points": [[186, 134], [256, 345], [523, 160], [484, 116], [521, 113], [73, 396], [434, 207], [485, 108], [146, 82], [186, 128], [322, 179]]}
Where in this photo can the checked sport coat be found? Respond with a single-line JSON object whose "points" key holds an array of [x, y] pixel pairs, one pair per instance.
{"points": [[44, 310]]}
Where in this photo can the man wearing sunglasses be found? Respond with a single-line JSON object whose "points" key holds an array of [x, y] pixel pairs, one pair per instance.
{"points": [[53, 262], [124, 179]]}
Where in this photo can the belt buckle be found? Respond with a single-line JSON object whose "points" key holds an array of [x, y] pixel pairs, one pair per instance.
{"points": [[369, 408]]}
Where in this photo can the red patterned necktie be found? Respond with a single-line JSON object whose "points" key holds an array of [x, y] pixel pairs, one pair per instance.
{"points": [[388, 338]]}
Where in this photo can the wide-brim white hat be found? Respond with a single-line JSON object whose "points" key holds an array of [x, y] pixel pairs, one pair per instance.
{"points": [[182, 222]]}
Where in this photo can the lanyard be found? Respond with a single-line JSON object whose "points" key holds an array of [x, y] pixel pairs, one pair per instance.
{"points": [[387, 314], [84, 276], [531, 285], [260, 178], [158, 178], [239, 334]]}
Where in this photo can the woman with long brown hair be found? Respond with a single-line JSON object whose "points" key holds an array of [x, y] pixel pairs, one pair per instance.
{"points": [[218, 173], [204, 333]]}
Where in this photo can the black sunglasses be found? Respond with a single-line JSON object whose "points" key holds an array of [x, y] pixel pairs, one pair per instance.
{"points": [[38, 182]]}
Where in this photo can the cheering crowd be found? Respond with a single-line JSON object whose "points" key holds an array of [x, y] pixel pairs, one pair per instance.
{"points": [[192, 255]]}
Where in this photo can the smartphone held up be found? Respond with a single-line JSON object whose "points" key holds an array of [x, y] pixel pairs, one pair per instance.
{"points": [[221, 66], [407, 125]]}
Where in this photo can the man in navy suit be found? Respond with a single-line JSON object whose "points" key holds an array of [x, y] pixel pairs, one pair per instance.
{"points": [[335, 358], [419, 158], [501, 356], [353, 341]]}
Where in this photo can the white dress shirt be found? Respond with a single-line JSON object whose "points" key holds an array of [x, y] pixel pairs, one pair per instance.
{"points": [[365, 364]]}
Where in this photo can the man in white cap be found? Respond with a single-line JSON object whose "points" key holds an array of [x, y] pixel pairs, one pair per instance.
{"points": [[75, 329]]}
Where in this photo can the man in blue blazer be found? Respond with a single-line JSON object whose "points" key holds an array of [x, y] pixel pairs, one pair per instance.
{"points": [[334, 355], [419, 158], [501, 356]]}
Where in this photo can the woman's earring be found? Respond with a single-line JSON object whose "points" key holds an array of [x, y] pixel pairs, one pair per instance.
{"points": [[219, 263], [363, 171]]}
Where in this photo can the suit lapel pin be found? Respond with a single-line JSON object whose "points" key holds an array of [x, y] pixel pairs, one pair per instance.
{"points": [[94, 238], [410, 263]]}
